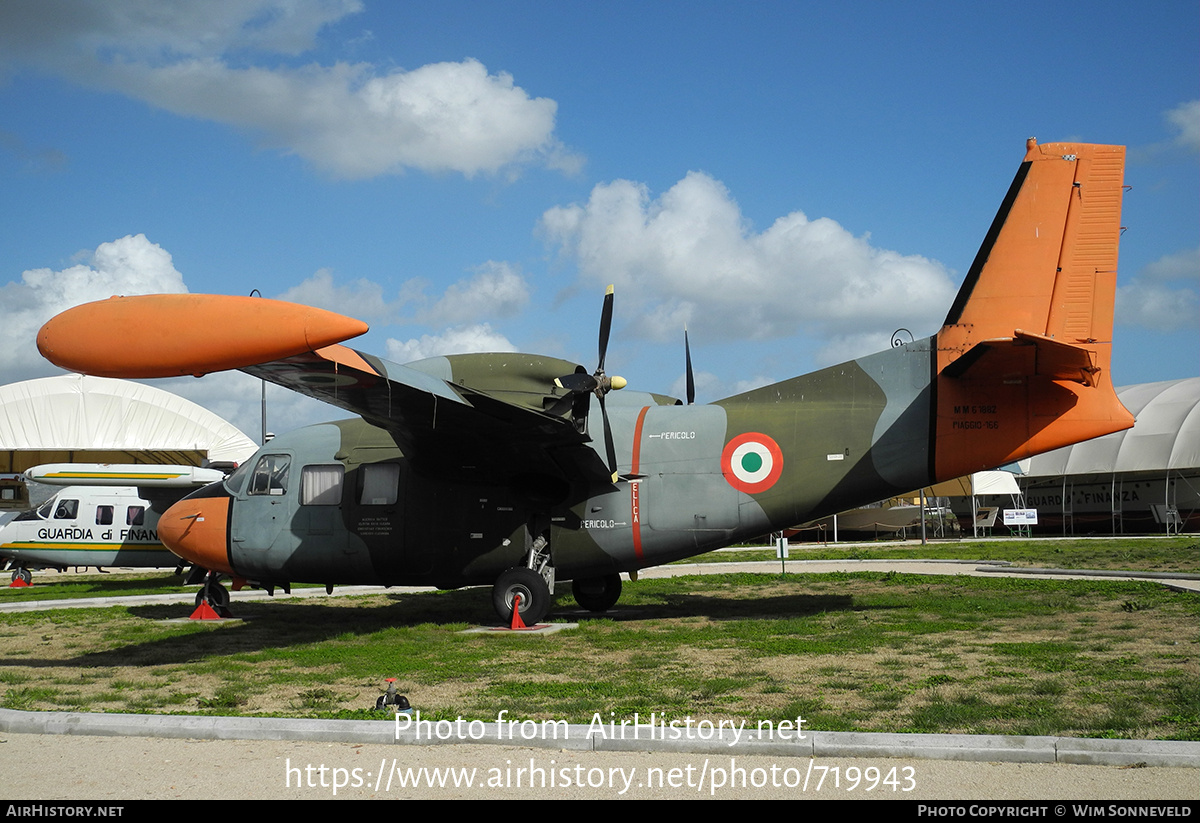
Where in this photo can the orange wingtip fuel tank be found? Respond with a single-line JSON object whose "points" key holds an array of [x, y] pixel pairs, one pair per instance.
{"points": [[166, 335]]}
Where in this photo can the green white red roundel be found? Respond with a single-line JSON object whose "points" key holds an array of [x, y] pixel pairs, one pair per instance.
{"points": [[752, 462]]}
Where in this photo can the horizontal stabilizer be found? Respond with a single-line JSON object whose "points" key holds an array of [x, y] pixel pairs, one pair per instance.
{"points": [[1027, 354]]}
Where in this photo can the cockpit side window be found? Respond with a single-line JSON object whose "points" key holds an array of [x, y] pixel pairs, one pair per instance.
{"points": [[270, 475], [66, 510], [321, 485]]}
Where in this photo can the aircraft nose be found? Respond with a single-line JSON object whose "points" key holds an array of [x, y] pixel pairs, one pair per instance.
{"points": [[196, 529]]}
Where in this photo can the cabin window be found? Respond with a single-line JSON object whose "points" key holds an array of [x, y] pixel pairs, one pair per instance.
{"points": [[104, 515], [270, 474], [135, 515], [321, 485], [380, 482], [66, 510]]}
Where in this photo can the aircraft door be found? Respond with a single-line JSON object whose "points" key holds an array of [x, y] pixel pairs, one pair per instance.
{"points": [[265, 509], [684, 488]]}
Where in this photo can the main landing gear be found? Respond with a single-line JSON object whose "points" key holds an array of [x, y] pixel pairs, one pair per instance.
{"points": [[597, 594], [532, 584], [530, 587]]}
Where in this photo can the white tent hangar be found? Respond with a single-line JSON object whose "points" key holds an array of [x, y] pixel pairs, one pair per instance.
{"points": [[79, 419], [1144, 479]]}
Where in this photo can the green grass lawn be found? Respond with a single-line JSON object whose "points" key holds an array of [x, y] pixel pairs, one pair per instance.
{"points": [[865, 652]]}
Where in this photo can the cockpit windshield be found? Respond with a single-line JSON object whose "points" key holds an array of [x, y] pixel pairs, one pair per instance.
{"points": [[42, 512]]}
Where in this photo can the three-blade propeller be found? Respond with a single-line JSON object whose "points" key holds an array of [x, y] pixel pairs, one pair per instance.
{"points": [[598, 383]]}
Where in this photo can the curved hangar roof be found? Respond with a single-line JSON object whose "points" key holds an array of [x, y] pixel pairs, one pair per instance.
{"points": [[111, 421], [1165, 436]]}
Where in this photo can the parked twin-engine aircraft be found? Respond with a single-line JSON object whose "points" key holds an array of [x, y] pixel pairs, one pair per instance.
{"points": [[106, 516], [488, 468]]}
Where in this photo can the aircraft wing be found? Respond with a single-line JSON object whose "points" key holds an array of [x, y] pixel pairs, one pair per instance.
{"points": [[498, 420], [445, 427]]}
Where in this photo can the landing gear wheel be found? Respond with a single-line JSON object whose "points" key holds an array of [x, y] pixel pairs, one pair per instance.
{"points": [[217, 597], [23, 574], [531, 586], [597, 594]]}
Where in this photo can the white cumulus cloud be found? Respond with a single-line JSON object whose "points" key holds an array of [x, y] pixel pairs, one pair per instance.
{"points": [[478, 337], [689, 256], [350, 120], [1185, 119], [362, 299], [1164, 296], [497, 289], [130, 265]]}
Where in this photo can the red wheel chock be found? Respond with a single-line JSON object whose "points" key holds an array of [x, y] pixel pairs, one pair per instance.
{"points": [[204, 612], [517, 622]]}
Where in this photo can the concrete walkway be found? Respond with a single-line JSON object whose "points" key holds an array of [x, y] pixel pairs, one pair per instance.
{"points": [[974, 568]]}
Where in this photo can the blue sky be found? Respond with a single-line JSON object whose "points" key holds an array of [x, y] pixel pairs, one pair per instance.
{"points": [[794, 181]]}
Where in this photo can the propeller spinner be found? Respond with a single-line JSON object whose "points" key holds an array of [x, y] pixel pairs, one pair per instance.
{"points": [[598, 383]]}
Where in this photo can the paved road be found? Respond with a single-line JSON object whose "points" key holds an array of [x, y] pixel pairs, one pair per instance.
{"points": [[64, 767]]}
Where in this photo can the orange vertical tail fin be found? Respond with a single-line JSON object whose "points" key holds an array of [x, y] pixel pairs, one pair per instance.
{"points": [[1023, 360]]}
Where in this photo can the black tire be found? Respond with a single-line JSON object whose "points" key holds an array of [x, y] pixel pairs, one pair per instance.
{"points": [[23, 574], [217, 597], [597, 594], [535, 595]]}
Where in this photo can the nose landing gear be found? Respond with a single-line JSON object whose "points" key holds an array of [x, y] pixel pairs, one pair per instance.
{"points": [[214, 595]]}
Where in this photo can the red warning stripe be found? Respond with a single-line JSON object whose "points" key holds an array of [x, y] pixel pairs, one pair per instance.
{"points": [[634, 469]]}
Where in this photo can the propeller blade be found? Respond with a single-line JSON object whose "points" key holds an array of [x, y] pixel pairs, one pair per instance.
{"points": [[579, 386], [605, 327], [609, 448], [577, 383], [691, 381]]}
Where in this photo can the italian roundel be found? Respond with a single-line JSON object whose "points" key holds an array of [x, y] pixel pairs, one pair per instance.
{"points": [[752, 462]]}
